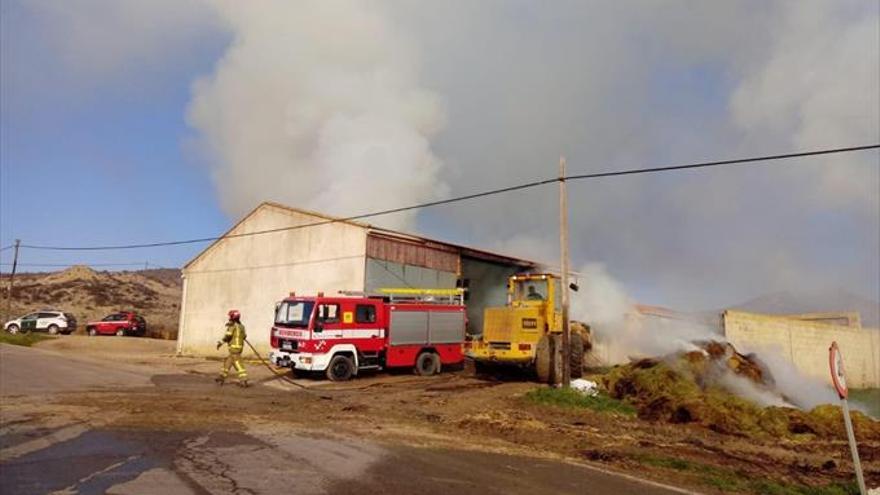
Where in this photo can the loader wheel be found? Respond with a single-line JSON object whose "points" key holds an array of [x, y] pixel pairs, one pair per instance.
{"points": [[341, 368], [576, 359], [427, 364], [543, 352]]}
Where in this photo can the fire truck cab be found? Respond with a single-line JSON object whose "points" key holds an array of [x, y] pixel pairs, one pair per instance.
{"points": [[340, 336]]}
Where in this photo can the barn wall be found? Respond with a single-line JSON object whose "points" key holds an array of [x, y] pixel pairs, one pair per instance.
{"points": [[252, 273], [413, 253], [383, 274]]}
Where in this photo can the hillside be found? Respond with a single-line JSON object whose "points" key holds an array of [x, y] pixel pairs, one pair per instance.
{"points": [[815, 301], [91, 295]]}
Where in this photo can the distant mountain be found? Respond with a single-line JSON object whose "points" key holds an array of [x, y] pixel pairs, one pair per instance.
{"points": [[91, 295], [815, 302]]}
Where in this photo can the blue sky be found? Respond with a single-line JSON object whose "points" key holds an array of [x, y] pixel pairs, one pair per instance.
{"points": [[99, 164], [127, 122]]}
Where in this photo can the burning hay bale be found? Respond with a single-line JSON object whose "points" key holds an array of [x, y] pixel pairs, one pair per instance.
{"points": [[717, 387]]}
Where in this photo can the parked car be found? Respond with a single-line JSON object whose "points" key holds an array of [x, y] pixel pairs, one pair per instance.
{"points": [[121, 323], [46, 320]]}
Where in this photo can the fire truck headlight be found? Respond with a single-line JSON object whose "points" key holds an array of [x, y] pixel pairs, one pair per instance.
{"points": [[305, 360]]}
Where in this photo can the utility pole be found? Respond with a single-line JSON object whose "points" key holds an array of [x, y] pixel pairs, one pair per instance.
{"points": [[563, 243], [11, 278]]}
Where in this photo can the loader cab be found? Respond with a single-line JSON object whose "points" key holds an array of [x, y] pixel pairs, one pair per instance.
{"points": [[540, 291]]}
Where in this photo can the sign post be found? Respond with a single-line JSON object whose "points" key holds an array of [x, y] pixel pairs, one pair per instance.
{"points": [[838, 378]]}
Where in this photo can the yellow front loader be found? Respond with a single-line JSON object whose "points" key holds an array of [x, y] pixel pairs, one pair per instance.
{"points": [[528, 331]]}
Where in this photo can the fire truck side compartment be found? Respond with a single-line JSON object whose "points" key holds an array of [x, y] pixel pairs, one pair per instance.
{"points": [[408, 328], [446, 327]]}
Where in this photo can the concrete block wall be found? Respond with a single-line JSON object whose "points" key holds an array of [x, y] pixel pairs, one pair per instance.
{"points": [[805, 343]]}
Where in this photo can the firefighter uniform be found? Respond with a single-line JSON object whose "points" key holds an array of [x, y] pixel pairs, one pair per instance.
{"points": [[234, 339]]}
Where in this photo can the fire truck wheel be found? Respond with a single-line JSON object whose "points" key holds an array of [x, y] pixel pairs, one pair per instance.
{"points": [[542, 359], [341, 368], [428, 363]]}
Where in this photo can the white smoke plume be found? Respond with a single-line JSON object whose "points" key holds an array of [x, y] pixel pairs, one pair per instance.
{"points": [[801, 390], [620, 333], [748, 390], [619, 330], [335, 106], [317, 104]]}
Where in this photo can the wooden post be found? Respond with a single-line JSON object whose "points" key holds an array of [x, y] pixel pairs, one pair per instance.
{"points": [[11, 279], [563, 243]]}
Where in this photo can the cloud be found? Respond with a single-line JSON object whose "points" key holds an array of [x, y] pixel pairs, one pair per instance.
{"points": [[98, 39]]}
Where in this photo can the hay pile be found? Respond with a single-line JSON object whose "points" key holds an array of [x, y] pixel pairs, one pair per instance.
{"points": [[695, 387]]}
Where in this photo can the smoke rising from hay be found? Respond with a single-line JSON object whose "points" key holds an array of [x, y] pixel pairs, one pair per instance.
{"points": [[801, 390], [620, 330], [317, 104]]}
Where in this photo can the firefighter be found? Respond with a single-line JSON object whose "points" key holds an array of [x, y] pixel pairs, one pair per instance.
{"points": [[534, 295], [234, 338]]}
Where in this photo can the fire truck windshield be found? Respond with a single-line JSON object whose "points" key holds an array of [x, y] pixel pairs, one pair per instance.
{"points": [[294, 314]]}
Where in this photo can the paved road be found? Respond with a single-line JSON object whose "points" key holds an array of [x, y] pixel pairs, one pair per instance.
{"points": [[70, 458], [28, 371]]}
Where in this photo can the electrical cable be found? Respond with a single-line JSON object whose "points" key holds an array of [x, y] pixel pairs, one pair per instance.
{"points": [[718, 163], [72, 264], [528, 185]]}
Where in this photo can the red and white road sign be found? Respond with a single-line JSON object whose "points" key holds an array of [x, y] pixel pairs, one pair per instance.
{"points": [[838, 376]]}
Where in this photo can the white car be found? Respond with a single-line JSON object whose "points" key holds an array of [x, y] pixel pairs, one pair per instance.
{"points": [[46, 320]]}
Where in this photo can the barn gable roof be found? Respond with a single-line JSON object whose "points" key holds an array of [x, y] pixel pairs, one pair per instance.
{"points": [[373, 230]]}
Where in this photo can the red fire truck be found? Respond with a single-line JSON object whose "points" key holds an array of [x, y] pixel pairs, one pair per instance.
{"points": [[343, 335]]}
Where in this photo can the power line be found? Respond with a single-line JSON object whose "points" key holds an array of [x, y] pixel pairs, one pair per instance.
{"points": [[528, 185], [7, 247], [141, 263], [737, 161]]}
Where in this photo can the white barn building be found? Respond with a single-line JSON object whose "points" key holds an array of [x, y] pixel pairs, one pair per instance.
{"points": [[252, 272]]}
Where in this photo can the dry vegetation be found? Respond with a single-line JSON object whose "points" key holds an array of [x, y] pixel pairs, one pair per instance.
{"points": [[91, 295]]}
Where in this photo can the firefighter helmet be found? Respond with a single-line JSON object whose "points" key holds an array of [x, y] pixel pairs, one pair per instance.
{"points": [[234, 315]]}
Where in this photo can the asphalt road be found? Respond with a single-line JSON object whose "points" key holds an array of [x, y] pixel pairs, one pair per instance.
{"points": [[29, 371], [71, 458]]}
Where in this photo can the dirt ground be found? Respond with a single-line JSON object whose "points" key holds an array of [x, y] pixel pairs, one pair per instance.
{"points": [[451, 409]]}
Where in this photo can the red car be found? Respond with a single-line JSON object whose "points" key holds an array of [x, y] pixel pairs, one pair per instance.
{"points": [[121, 323]]}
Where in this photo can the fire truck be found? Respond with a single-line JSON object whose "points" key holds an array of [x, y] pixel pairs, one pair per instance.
{"points": [[343, 335]]}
